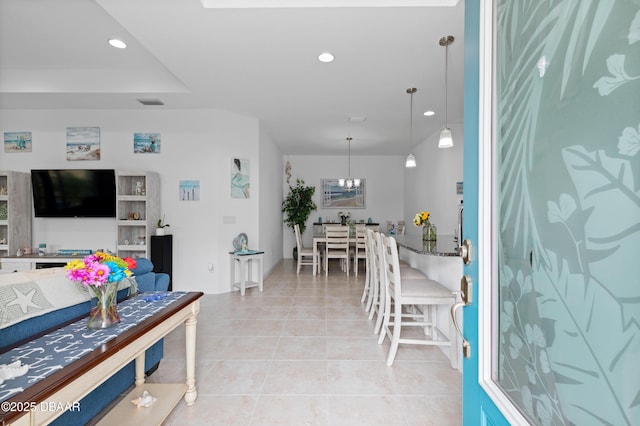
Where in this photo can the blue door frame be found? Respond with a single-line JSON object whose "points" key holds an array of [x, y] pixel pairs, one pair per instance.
{"points": [[477, 406]]}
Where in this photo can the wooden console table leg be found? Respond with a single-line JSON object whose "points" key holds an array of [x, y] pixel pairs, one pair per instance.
{"points": [[190, 332], [140, 369]]}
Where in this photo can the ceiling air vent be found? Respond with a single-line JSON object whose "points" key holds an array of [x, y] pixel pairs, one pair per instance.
{"points": [[150, 101]]}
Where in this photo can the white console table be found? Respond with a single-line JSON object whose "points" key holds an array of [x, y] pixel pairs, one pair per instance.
{"points": [[77, 379], [245, 264]]}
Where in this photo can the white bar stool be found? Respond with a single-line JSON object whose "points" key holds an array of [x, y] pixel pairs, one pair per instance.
{"points": [[245, 264]]}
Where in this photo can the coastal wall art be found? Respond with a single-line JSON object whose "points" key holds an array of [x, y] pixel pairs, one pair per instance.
{"points": [[17, 142], [336, 196], [189, 190], [146, 143], [83, 143], [240, 178]]}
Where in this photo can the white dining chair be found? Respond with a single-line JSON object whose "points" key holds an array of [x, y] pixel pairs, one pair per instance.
{"points": [[360, 249], [367, 291], [336, 246], [305, 254], [378, 282], [403, 292], [376, 303]]}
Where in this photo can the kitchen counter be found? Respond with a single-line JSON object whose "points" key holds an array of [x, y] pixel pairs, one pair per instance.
{"points": [[439, 260], [445, 245]]}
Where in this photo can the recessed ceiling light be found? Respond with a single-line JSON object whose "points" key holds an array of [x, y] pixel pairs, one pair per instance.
{"points": [[326, 57], [429, 113], [117, 43]]}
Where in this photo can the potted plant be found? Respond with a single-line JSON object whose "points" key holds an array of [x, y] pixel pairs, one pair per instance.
{"points": [[160, 226], [298, 205]]}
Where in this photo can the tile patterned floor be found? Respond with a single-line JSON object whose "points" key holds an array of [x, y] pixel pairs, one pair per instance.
{"points": [[303, 353]]}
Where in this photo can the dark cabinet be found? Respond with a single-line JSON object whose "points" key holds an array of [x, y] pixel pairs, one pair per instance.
{"points": [[162, 255]]}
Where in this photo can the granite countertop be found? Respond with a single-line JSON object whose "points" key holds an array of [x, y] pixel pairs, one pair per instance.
{"points": [[445, 245], [338, 223]]}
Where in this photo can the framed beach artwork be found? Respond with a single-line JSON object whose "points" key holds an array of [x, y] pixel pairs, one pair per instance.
{"points": [[240, 178], [335, 196], [189, 190], [83, 143], [17, 142], [146, 143]]}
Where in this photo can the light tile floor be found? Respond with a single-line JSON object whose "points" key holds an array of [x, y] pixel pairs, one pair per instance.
{"points": [[303, 352]]}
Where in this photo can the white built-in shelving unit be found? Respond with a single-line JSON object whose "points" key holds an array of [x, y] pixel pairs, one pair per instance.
{"points": [[15, 212], [137, 212]]}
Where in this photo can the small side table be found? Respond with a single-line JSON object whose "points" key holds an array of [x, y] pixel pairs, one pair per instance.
{"points": [[245, 262]]}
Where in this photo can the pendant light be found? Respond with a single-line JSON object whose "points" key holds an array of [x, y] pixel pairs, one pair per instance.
{"points": [[446, 139], [349, 183], [411, 159]]}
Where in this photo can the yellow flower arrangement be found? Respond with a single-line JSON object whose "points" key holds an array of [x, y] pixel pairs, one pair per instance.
{"points": [[429, 232], [421, 218]]}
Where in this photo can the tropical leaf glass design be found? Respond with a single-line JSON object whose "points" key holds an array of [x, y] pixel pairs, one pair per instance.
{"points": [[567, 80]]}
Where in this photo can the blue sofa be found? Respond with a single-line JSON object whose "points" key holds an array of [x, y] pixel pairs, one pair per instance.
{"points": [[99, 398]]}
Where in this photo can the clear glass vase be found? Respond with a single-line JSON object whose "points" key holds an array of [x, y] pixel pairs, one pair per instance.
{"points": [[429, 232], [105, 313]]}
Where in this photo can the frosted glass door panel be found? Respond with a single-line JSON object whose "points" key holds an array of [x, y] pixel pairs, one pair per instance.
{"points": [[567, 209]]}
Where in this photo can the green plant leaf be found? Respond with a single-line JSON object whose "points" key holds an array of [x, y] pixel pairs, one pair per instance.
{"points": [[298, 205]]}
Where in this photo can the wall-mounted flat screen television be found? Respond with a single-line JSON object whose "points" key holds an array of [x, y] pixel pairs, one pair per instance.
{"points": [[74, 193]]}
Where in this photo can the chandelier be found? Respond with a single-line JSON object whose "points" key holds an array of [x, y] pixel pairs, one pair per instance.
{"points": [[349, 183]]}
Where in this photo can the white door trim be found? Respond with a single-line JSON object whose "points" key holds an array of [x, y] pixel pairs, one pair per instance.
{"points": [[488, 277]]}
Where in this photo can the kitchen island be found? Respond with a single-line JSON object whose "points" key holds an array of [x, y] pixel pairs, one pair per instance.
{"points": [[440, 261], [445, 245]]}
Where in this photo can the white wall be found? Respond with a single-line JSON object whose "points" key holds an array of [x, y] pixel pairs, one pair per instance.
{"points": [[431, 186], [195, 145], [199, 145], [270, 217], [383, 198]]}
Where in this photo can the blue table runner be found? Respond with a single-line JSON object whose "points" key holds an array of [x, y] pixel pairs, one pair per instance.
{"points": [[57, 349]]}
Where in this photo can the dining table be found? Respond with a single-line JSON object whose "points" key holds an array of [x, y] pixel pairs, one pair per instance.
{"points": [[319, 238]]}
